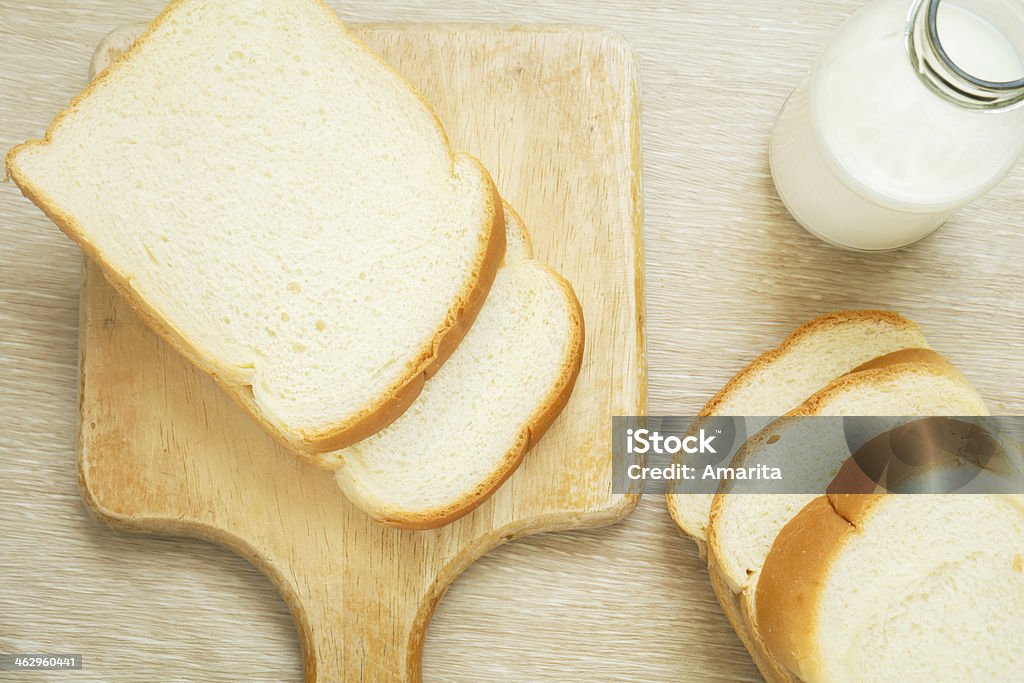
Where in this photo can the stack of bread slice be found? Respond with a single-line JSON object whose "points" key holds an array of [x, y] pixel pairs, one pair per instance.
{"points": [[813, 583], [779, 380], [286, 210]]}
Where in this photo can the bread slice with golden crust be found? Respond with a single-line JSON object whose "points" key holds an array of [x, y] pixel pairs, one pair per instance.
{"points": [[479, 415], [781, 379], [286, 213], [916, 588]]}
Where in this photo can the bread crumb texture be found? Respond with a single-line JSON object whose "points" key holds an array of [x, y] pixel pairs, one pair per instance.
{"points": [[277, 196]]}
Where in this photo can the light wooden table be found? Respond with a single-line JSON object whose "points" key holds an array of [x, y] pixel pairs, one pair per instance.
{"points": [[727, 274]]}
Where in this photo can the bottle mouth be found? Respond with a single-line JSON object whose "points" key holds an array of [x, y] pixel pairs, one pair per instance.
{"points": [[942, 74]]}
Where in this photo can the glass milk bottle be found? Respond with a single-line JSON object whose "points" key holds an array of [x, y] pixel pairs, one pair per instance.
{"points": [[912, 111]]}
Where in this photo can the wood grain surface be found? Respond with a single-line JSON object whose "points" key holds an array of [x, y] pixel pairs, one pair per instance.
{"points": [[728, 274]]}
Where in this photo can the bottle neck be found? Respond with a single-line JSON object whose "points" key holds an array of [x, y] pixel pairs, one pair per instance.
{"points": [[939, 72]]}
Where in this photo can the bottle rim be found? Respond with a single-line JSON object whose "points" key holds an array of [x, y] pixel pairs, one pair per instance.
{"points": [[943, 75], [936, 42]]}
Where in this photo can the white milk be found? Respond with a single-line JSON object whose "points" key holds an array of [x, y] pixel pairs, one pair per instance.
{"points": [[867, 156]]}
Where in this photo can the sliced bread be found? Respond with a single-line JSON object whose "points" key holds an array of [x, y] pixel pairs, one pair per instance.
{"points": [[286, 213], [915, 588], [393, 485], [743, 525], [781, 379], [476, 418], [903, 380]]}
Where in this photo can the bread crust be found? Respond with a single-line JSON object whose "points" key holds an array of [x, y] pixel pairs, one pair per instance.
{"points": [[531, 432], [311, 446], [750, 637], [797, 568], [792, 579], [809, 328], [906, 356], [740, 379], [877, 370]]}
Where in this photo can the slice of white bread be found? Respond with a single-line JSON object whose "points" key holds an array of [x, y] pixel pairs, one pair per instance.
{"points": [[879, 383], [476, 418], [781, 379], [914, 588], [285, 212]]}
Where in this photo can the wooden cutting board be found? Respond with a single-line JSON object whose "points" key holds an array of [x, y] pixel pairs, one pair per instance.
{"points": [[554, 116]]}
